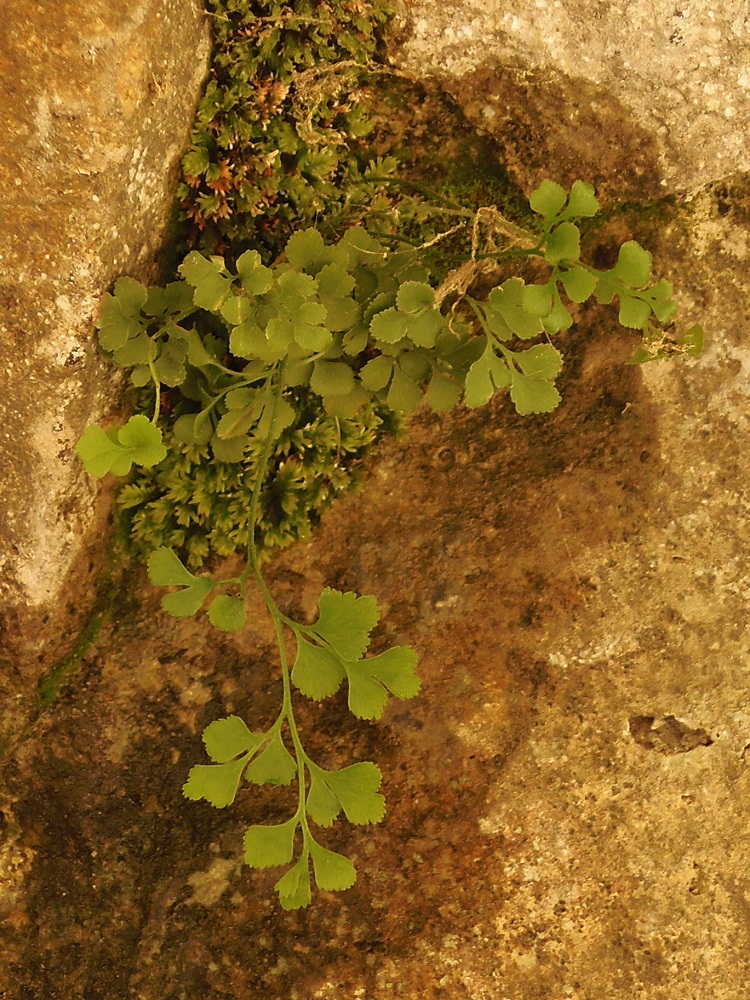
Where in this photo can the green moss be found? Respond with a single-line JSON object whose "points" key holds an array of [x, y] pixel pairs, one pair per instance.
{"points": [[111, 587], [271, 142], [195, 504], [50, 684]]}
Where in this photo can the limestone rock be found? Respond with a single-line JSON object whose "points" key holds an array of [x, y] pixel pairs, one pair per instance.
{"points": [[96, 107], [640, 98]]}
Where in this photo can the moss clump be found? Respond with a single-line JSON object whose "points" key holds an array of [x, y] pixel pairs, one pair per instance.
{"points": [[270, 147], [200, 506]]}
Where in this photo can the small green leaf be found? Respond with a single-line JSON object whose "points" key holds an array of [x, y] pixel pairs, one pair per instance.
{"points": [[187, 602], [269, 846], [197, 354], [540, 361], [662, 290], [115, 330], [311, 313], [579, 284], [254, 277], [317, 673], [345, 622], [143, 441], [537, 300], [389, 326], [305, 248], [633, 267], [424, 329], [533, 395], [227, 613], [248, 341], [297, 373], [193, 428], [558, 319], [236, 310], [196, 268], [356, 788], [240, 398], [377, 373], [367, 696], [634, 313], [693, 340], [100, 454], [346, 406], [371, 680], [131, 296], [232, 450], [170, 365], [548, 199], [414, 296], [136, 351], [331, 378], [294, 887], [563, 244], [582, 203], [139, 442], [485, 376], [361, 247], [664, 311], [334, 282], [226, 738], [179, 297], [236, 423], [395, 670], [508, 302], [312, 338], [275, 766], [333, 872], [216, 783], [404, 395], [443, 392], [321, 804], [211, 293], [166, 570], [355, 340], [116, 323], [275, 418], [342, 314], [292, 283]]}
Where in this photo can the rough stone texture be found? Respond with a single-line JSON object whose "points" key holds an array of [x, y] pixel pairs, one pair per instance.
{"points": [[639, 97], [568, 798], [97, 102]]}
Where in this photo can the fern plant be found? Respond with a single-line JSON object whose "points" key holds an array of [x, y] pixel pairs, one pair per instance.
{"points": [[351, 325]]}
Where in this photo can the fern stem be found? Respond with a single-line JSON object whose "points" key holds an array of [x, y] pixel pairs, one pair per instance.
{"points": [[278, 619]]}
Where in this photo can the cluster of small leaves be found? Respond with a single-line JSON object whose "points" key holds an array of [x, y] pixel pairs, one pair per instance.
{"points": [[201, 506], [331, 650], [517, 310], [269, 145], [357, 324], [225, 612]]}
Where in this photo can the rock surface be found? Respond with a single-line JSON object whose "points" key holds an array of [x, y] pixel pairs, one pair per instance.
{"points": [[567, 797], [97, 101], [639, 98]]}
